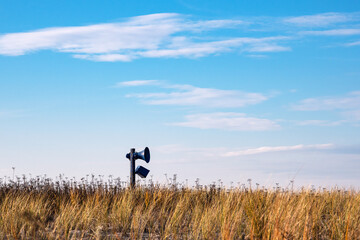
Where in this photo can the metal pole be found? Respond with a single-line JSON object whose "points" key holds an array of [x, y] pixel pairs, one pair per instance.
{"points": [[132, 168]]}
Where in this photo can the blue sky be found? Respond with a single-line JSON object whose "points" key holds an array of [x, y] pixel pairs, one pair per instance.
{"points": [[267, 90]]}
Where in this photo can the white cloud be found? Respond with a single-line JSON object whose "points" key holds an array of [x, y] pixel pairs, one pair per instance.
{"points": [[211, 24], [357, 43], [334, 32], [324, 123], [332, 25], [156, 35], [319, 20], [236, 152], [350, 101], [105, 57], [348, 107], [183, 47], [252, 151], [136, 83], [268, 48], [304, 164], [195, 50], [187, 95], [259, 56], [227, 121], [143, 32], [171, 35]]}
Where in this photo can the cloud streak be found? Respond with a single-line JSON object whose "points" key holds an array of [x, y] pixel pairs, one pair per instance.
{"points": [[227, 121], [350, 101], [168, 35], [188, 95], [321, 20], [321, 123], [143, 32], [172, 35], [137, 83], [266, 149], [233, 152], [334, 32], [347, 107]]}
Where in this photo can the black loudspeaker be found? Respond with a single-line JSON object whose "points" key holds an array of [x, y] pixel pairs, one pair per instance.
{"points": [[142, 172], [144, 155]]}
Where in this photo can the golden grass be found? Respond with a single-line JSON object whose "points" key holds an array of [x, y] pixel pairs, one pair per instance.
{"points": [[89, 211]]}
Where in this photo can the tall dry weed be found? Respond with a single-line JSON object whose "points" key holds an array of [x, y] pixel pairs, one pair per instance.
{"points": [[43, 209]]}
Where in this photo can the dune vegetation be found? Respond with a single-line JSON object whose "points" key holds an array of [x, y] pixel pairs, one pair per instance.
{"points": [[65, 209]]}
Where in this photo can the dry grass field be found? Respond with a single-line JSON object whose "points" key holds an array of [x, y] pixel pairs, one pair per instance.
{"points": [[65, 209]]}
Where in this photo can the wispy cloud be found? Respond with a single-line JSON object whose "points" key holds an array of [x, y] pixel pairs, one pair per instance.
{"points": [[136, 83], [322, 123], [236, 152], [350, 101], [260, 150], [141, 32], [267, 164], [347, 107], [171, 35], [357, 43], [156, 35], [334, 32], [330, 24], [105, 57], [320, 20], [263, 48], [227, 121], [188, 95], [195, 50]]}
